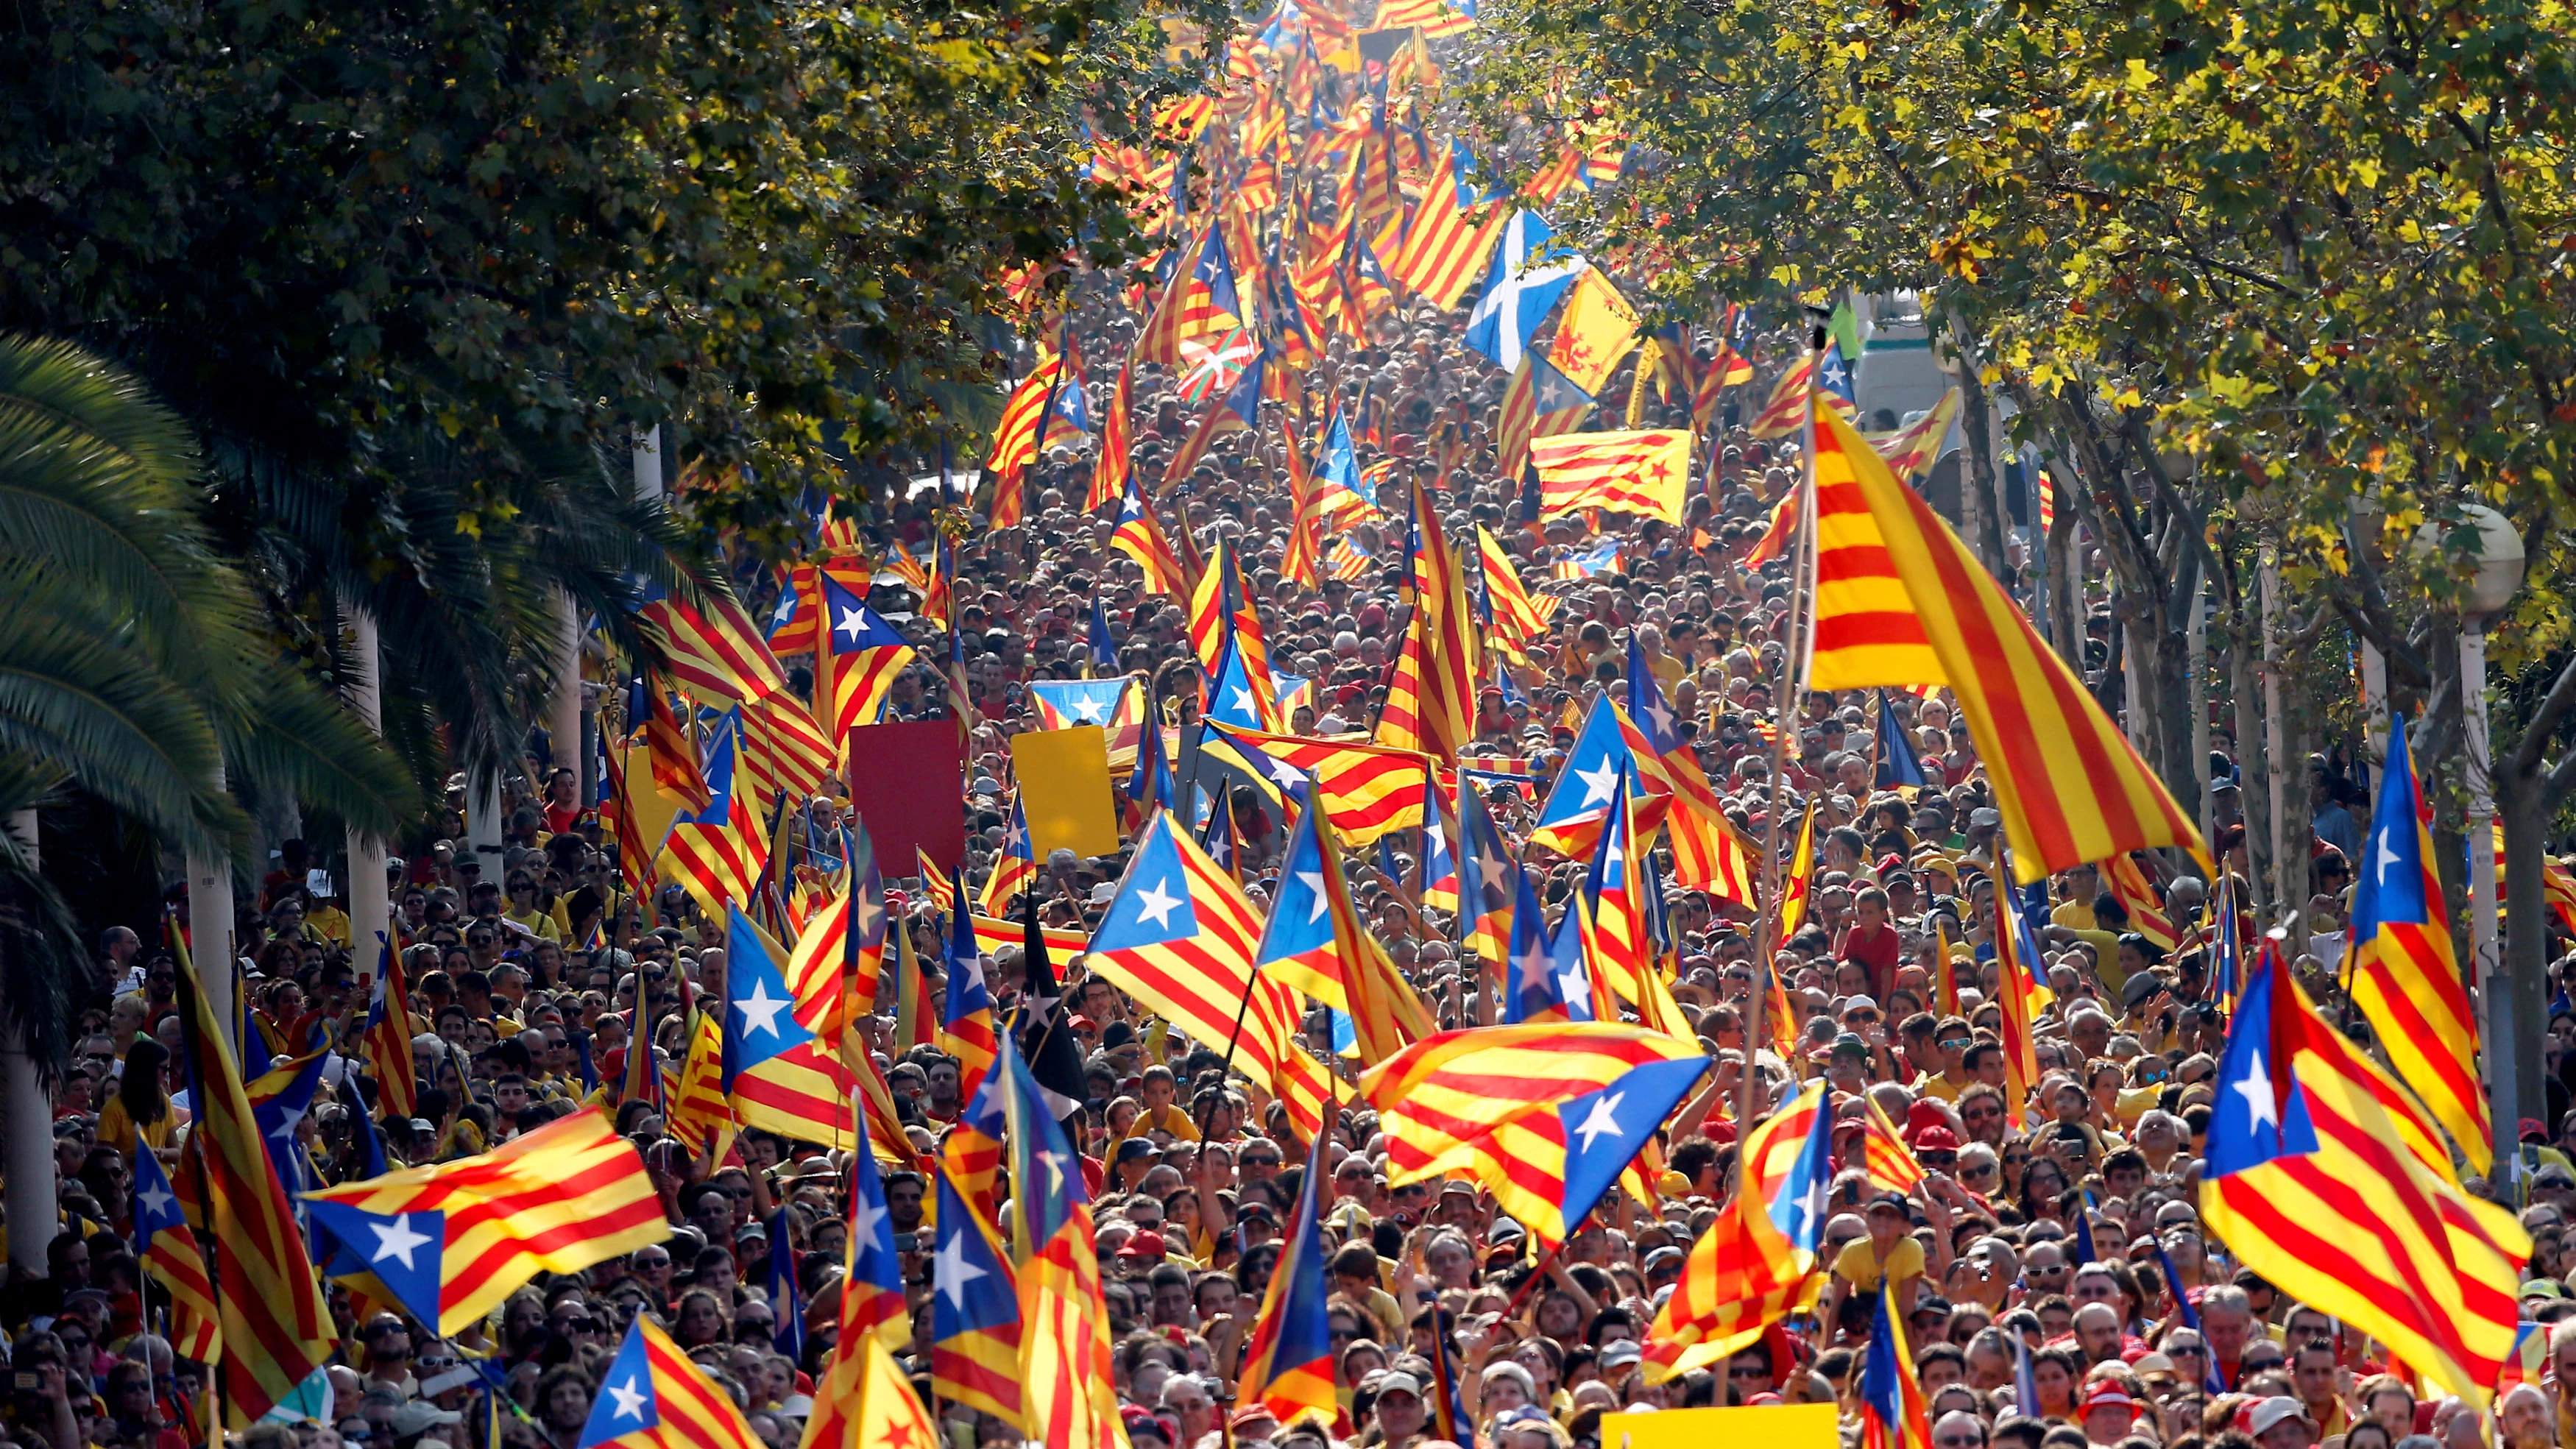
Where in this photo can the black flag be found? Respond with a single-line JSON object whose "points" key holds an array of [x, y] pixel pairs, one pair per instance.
{"points": [[1046, 1033]]}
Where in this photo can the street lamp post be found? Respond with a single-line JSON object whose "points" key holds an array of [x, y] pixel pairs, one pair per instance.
{"points": [[2498, 578]]}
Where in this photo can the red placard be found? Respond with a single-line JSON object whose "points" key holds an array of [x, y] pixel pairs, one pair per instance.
{"points": [[908, 780]]}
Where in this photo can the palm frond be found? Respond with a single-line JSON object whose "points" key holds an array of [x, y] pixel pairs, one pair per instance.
{"points": [[41, 960]]}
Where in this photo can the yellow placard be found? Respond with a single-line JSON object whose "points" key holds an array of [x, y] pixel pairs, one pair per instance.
{"points": [[1064, 788], [1773, 1426]]}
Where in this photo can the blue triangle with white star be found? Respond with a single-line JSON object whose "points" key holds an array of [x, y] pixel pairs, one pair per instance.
{"points": [[405, 1252], [1230, 697], [1301, 919], [626, 1403], [1605, 1129], [1588, 782], [760, 1012], [853, 624], [2259, 1112], [1153, 904]]}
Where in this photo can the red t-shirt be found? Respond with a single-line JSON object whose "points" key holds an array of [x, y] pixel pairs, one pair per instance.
{"points": [[1875, 948]]}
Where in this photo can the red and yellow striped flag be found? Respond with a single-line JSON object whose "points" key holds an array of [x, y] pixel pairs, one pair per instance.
{"points": [[1015, 438], [1646, 472], [557, 1200], [276, 1327], [2146, 913], [1911, 451], [1365, 790], [1864, 631], [1785, 412], [1518, 620], [2069, 785]]}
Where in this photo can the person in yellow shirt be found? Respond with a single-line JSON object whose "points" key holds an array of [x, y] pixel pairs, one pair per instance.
{"points": [[141, 1114], [1160, 1114], [524, 912], [1887, 1253]]}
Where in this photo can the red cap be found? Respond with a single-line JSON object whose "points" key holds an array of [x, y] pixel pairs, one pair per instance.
{"points": [[1936, 1139], [1147, 1244]]}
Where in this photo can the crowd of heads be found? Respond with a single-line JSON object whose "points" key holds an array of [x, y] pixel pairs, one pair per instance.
{"points": [[2049, 1272]]}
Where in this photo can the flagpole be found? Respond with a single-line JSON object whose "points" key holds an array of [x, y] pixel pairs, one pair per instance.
{"points": [[1784, 718]]}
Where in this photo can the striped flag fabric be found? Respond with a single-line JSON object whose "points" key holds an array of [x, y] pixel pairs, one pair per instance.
{"points": [[2557, 887], [1864, 631], [847, 938], [275, 1326], [2015, 964], [966, 1020], [1117, 438], [860, 656], [975, 1319], [1069, 1397], [1799, 878], [701, 1114], [387, 1036], [712, 649], [1181, 939], [1441, 659], [173, 1257], [718, 853], [1911, 451], [1785, 411], [865, 1402], [1781, 527], [1014, 869], [450, 1241], [1538, 402], [1366, 791], [781, 1063], [1140, 537], [2146, 913], [2400, 963], [2069, 785], [1064, 703], [1315, 942], [1754, 1264], [936, 882], [872, 1300], [1890, 1162], [672, 754], [1288, 1359], [1449, 242], [2311, 1183], [993, 933], [1015, 437], [653, 1396], [1517, 617], [1893, 1414], [1486, 1102], [784, 753], [1486, 869]]}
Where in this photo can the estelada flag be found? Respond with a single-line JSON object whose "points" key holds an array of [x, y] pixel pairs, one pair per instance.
{"points": [[1644, 472]]}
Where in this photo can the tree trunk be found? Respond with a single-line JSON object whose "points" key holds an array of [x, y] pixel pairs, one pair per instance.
{"points": [[2245, 682], [26, 1127]]}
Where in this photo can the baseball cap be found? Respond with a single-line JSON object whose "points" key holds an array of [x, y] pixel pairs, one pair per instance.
{"points": [[1620, 1354], [2271, 1413], [1397, 1381], [1936, 1139], [2109, 1395], [419, 1416], [1137, 1149], [1147, 1244]]}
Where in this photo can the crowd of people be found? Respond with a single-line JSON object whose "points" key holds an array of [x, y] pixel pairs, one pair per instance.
{"points": [[2057, 1285]]}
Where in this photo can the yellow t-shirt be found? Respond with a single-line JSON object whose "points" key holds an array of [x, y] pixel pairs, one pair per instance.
{"points": [[538, 923], [1167, 1119], [1934, 1086], [1857, 1264]]}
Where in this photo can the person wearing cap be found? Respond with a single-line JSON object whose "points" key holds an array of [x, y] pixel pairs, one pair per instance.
{"points": [[2108, 1412], [1400, 1414], [2281, 1423], [419, 1420], [1887, 1253]]}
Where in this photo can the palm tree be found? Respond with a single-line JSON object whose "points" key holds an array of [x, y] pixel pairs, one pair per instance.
{"points": [[136, 662]]}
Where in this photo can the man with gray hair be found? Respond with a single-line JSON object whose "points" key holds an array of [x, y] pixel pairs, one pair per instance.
{"points": [[2226, 1316]]}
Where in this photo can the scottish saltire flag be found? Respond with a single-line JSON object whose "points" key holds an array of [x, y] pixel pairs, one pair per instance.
{"points": [[1288, 1361], [653, 1396], [1520, 285]]}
